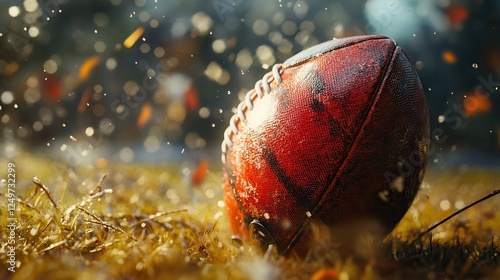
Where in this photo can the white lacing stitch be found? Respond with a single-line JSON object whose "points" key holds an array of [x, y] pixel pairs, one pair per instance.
{"points": [[247, 105]]}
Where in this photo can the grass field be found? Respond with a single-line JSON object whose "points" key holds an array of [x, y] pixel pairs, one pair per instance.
{"points": [[116, 221]]}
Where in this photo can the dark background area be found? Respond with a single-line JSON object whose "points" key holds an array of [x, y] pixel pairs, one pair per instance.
{"points": [[70, 86]]}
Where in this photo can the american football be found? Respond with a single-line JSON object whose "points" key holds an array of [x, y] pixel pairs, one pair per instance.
{"points": [[249, 140], [336, 134]]}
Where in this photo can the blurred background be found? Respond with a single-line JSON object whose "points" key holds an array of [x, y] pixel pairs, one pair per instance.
{"points": [[157, 81]]}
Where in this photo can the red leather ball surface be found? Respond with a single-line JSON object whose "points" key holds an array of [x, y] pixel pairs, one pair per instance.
{"points": [[337, 133]]}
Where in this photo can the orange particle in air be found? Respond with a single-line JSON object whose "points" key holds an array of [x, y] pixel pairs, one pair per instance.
{"points": [[87, 67], [133, 37], [200, 172], [457, 14], [11, 68], [232, 42], [449, 57], [191, 99], [145, 115], [82, 105], [326, 274], [51, 88], [477, 103]]}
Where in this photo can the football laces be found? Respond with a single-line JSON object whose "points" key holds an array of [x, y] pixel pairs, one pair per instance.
{"points": [[261, 88]]}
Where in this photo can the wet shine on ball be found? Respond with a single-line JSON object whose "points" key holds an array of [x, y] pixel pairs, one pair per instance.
{"points": [[336, 134]]}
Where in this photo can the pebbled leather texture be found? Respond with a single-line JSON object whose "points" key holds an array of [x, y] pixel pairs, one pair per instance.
{"points": [[343, 137]]}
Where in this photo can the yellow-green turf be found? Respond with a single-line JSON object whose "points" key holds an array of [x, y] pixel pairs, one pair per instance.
{"points": [[135, 221]]}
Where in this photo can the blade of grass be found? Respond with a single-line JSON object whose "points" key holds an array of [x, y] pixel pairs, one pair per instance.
{"points": [[495, 192]]}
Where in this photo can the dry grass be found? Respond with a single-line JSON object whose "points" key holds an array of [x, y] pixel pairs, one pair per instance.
{"points": [[106, 221]]}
